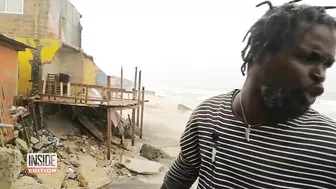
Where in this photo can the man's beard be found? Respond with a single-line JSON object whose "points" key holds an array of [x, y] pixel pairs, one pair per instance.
{"points": [[284, 101]]}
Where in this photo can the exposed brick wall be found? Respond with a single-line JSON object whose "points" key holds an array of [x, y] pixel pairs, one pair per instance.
{"points": [[17, 25]]}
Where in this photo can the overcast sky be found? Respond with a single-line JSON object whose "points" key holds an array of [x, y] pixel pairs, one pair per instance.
{"points": [[176, 43]]}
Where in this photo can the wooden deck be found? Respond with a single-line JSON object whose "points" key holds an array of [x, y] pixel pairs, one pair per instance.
{"points": [[77, 94]]}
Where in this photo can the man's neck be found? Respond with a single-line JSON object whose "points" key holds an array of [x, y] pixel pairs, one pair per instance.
{"points": [[252, 101]]}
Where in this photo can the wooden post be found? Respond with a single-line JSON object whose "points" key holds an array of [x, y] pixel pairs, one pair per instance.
{"points": [[135, 78], [61, 88], [133, 121], [75, 92], [108, 121], [68, 89], [142, 110], [86, 93], [139, 96], [122, 86], [102, 94], [44, 86]]}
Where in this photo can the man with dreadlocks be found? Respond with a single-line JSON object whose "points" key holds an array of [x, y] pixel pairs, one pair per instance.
{"points": [[266, 135]]}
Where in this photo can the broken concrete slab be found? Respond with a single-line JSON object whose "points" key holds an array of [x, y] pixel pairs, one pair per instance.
{"points": [[87, 161], [10, 166], [142, 166], [54, 180], [33, 140], [103, 163], [152, 153], [92, 178], [27, 182], [38, 146]]}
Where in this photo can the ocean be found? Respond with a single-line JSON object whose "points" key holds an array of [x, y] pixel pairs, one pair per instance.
{"points": [[192, 97]]}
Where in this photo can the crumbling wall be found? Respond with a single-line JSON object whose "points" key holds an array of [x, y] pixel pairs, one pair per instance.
{"points": [[68, 61], [72, 64]]}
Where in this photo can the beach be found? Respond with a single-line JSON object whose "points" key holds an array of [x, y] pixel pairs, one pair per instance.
{"points": [[164, 124]]}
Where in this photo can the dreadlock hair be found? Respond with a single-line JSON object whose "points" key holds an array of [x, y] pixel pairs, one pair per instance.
{"points": [[278, 27]]}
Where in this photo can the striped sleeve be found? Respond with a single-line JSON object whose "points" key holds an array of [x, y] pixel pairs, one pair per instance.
{"points": [[185, 169]]}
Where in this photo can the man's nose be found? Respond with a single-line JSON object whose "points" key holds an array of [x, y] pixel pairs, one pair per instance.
{"points": [[318, 74]]}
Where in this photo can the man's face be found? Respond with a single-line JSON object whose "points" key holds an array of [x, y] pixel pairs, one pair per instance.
{"points": [[293, 78]]}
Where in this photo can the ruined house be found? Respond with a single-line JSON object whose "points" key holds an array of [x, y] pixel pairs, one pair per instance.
{"points": [[53, 26]]}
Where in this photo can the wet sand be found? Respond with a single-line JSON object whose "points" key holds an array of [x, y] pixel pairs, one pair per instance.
{"points": [[163, 126]]}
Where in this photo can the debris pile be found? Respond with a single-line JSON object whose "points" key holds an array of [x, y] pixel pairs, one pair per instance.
{"points": [[82, 158], [94, 119], [78, 137]]}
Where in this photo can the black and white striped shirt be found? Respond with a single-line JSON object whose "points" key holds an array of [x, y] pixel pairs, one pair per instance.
{"points": [[299, 153]]}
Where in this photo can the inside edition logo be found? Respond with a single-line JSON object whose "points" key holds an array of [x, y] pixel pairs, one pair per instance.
{"points": [[42, 163]]}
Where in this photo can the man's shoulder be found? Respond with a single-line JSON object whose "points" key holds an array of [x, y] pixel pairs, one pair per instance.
{"points": [[316, 118]]}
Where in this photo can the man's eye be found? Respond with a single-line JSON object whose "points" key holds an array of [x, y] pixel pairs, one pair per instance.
{"points": [[329, 63], [314, 58]]}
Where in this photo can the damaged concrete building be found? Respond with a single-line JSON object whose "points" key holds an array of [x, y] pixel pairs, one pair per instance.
{"points": [[53, 26]]}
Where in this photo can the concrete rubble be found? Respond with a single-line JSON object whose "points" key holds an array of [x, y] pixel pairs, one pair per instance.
{"points": [[10, 166], [142, 166], [27, 182], [81, 152], [82, 159]]}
